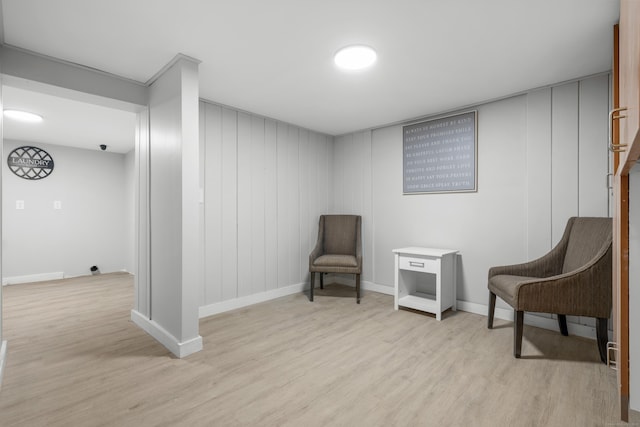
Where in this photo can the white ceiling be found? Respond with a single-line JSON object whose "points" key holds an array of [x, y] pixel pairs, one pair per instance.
{"points": [[68, 122], [274, 58]]}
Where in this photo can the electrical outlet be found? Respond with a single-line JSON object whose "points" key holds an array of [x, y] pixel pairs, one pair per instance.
{"points": [[57, 204]]}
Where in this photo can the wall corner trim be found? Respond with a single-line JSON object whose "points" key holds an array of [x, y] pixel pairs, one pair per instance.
{"points": [[179, 349], [179, 57], [3, 358], [232, 304]]}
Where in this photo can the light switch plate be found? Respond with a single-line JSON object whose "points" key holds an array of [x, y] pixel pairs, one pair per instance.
{"points": [[57, 204], [19, 204]]}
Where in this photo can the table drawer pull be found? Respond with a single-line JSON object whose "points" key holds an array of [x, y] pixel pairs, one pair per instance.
{"points": [[416, 264]]}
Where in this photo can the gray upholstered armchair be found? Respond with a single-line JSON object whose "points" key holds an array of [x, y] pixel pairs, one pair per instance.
{"points": [[573, 279], [338, 249]]}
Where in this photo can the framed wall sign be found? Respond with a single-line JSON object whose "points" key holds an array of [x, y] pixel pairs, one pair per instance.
{"points": [[30, 163], [440, 155]]}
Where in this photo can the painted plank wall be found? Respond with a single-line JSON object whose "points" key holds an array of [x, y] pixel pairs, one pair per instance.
{"points": [[538, 170], [542, 158], [564, 157], [353, 190], [265, 184]]}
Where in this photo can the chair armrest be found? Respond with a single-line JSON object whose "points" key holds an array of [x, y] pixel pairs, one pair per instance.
{"points": [[319, 248], [316, 252], [547, 265], [582, 292]]}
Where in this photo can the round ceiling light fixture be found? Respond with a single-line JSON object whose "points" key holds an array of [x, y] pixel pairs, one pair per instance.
{"points": [[356, 57], [23, 116]]}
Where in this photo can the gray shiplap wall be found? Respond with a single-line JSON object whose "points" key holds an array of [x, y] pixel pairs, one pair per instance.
{"points": [[352, 158], [542, 157], [265, 184]]}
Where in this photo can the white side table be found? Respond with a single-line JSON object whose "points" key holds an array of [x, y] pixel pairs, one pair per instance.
{"points": [[425, 279]]}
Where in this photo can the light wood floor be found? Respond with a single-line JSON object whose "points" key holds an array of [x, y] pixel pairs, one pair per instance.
{"points": [[75, 359]]}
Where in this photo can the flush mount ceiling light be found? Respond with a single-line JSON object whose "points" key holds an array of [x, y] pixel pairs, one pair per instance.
{"points": [[23, 116], [355, 57]]}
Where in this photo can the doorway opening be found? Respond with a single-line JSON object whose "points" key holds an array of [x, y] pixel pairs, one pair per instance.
{"points": [[79, 220]]}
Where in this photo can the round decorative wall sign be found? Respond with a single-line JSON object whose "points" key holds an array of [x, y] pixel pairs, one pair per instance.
{"points": [[30, 163]]}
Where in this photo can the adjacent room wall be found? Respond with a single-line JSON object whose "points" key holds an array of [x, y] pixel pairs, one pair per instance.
{"points": [[542, 157], [265, 185], [88, 230]]}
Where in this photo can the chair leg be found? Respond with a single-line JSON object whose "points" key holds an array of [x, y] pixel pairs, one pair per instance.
{"points": [[321, 280], [562, 322], [358, 288], [603, 336], [518, 318], [492, 309], [312, 284]]}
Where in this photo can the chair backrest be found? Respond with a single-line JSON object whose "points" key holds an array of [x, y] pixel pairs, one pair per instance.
{"points": [[340, 234], [589, 236]]}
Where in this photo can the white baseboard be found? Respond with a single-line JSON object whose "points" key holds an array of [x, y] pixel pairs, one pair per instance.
{"points": [[232, 304], [531, 319], [168, 340], [367, 286], [470, 307], [179, 349], [32, 278], [500, 313], [3, 358]]}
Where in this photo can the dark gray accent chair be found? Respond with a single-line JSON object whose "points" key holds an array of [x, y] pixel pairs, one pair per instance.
{"points": [[338, 249], [573, 279]]}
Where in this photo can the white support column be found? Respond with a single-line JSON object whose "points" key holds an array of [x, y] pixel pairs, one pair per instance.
{"points": [[173, 183]]}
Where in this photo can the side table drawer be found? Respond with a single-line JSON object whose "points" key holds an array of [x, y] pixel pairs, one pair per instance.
{"points": [[426, 265]]}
